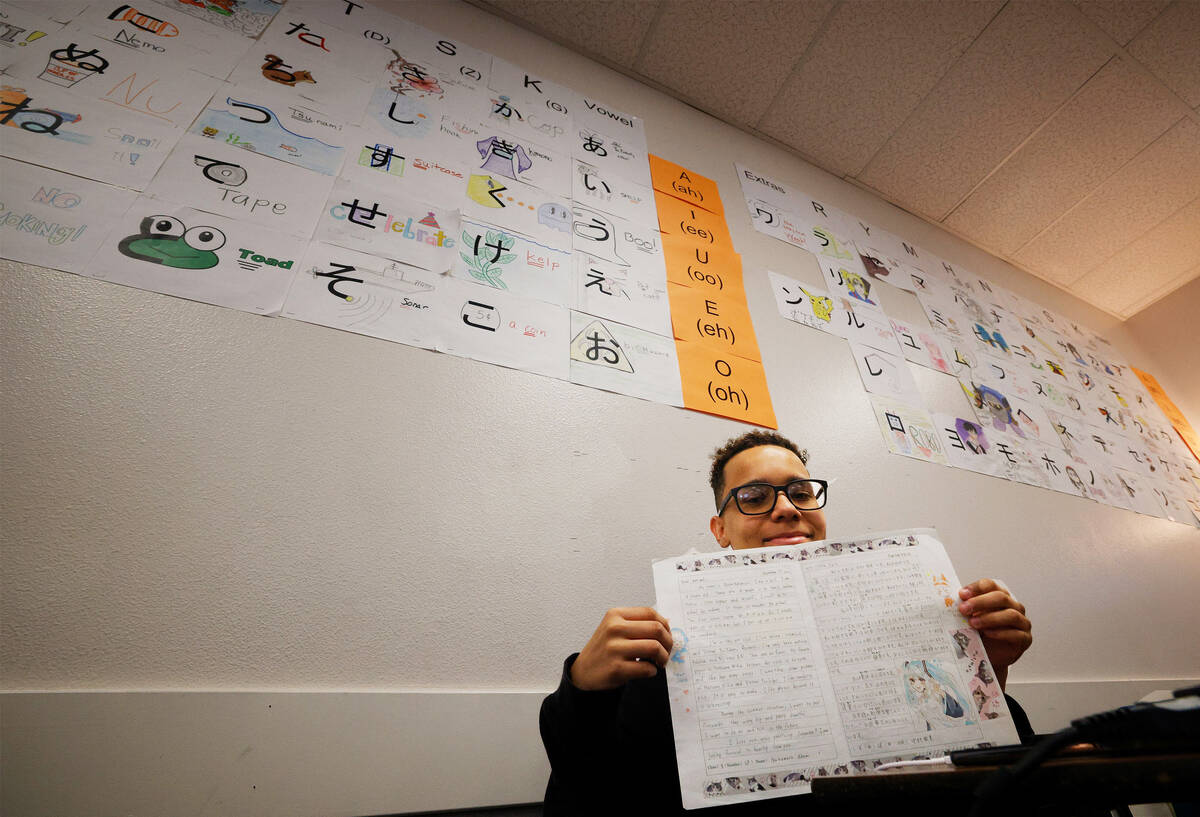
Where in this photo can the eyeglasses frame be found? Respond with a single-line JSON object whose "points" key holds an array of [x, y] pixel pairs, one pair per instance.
{"points": [[775, 496]]}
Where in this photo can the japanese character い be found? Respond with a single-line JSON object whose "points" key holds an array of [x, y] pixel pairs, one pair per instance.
{"points": [[503, 157]]}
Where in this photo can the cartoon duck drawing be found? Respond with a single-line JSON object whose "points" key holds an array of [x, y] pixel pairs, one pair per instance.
{"points": [[166, 240], [273, 69]]}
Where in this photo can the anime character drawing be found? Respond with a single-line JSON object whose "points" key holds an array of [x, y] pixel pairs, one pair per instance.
{"points": [[933, 696], [998, 408], [972, 436], [858, 287]]}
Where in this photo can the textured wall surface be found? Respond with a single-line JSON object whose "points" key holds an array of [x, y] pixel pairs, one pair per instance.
{"points": [[195, 498]]}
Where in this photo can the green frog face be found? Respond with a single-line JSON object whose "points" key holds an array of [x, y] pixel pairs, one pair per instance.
{"points": [[166, 240]]}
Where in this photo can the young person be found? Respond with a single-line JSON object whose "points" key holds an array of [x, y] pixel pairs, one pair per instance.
{"points": [[607, 728]]}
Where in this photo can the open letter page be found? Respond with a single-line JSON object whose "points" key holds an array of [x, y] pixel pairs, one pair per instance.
{"points": [[830, 658]]}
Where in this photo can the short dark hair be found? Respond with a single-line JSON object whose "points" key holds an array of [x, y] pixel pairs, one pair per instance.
{"points": [[751, 439]]}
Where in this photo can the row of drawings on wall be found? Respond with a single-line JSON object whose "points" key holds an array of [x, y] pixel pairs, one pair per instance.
{"points": [[1052, 405], [331, 163]]}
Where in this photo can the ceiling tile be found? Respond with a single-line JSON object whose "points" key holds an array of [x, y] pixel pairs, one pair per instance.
{"points": [[1162, 292], [872, 64], [1169, 46], [729, 58], [1153, 185], [612, 29], [1122, 19], [1027, 62], [1144, 267], [1114, 116]]}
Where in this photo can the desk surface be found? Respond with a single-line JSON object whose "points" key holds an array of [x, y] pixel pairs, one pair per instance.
{"points": [[1078, 781]]}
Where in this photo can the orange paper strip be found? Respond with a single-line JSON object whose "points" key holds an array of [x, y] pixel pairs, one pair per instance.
{"points": [[1182, 427], [697, 225], [693, 266], [687, 185], [723, 384], [720, 321]]}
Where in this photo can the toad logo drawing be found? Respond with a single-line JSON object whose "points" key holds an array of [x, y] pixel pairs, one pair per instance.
{"points": [[168, 241]]}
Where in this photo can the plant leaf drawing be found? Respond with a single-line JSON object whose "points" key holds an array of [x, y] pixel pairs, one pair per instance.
{"points": [[479, 266]]}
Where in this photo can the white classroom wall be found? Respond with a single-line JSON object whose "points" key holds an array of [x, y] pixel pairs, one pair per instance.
{"points": [[256, 566]]}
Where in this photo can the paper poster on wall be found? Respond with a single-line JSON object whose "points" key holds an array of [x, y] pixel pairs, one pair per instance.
{"points": [[968, 445], [54, 127], [20, 26], [806, 305], [265, 122], [923, 348], [113, 75], [908, 430], [612, 194], [538, 92], [308, 75], [1058, 467], [248, 18], [615, 240], [629, 295], [242, 185], [885, 374], [379, 159], [176, 250], [1021, 462], [770, 219], [503, 156], [625, 128], [843, 281], [686, 185], [726, 385], [865, 326], [496, 258], [355, 292], [55, 220], [693, 224], [1138, 493], [720, 321], [166, 33], [537, 214], [999, 409], [611, 153], [700, 268], [425, 53], [1172, 412], [380, 222], [524, 120], [878, 264], [608, 355], [496, 327]]}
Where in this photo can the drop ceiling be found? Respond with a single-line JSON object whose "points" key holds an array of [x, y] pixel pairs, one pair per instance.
{"points": [[1063, 137]]}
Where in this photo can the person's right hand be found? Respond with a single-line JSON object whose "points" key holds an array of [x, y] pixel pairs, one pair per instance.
{"points": [[626, 634]]}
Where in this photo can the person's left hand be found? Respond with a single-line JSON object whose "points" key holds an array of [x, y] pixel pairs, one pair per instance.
{"points": [[1000, 620]]}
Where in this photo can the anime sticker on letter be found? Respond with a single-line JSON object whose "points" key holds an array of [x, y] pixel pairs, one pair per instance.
{"points": [[934, 696]]}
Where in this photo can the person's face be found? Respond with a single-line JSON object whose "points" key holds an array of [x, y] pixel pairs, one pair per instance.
{"points": [[917, 685], [784, 525], [972, 435]]}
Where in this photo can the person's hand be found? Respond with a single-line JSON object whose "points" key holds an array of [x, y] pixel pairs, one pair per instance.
{"points": [[631, 642], [1000, 620]]}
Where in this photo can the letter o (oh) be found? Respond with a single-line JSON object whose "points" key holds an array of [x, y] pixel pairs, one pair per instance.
{"points": [[728, 369]]}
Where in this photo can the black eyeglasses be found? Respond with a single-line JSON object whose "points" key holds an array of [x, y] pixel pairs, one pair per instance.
{"points": [[758, 498]]}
